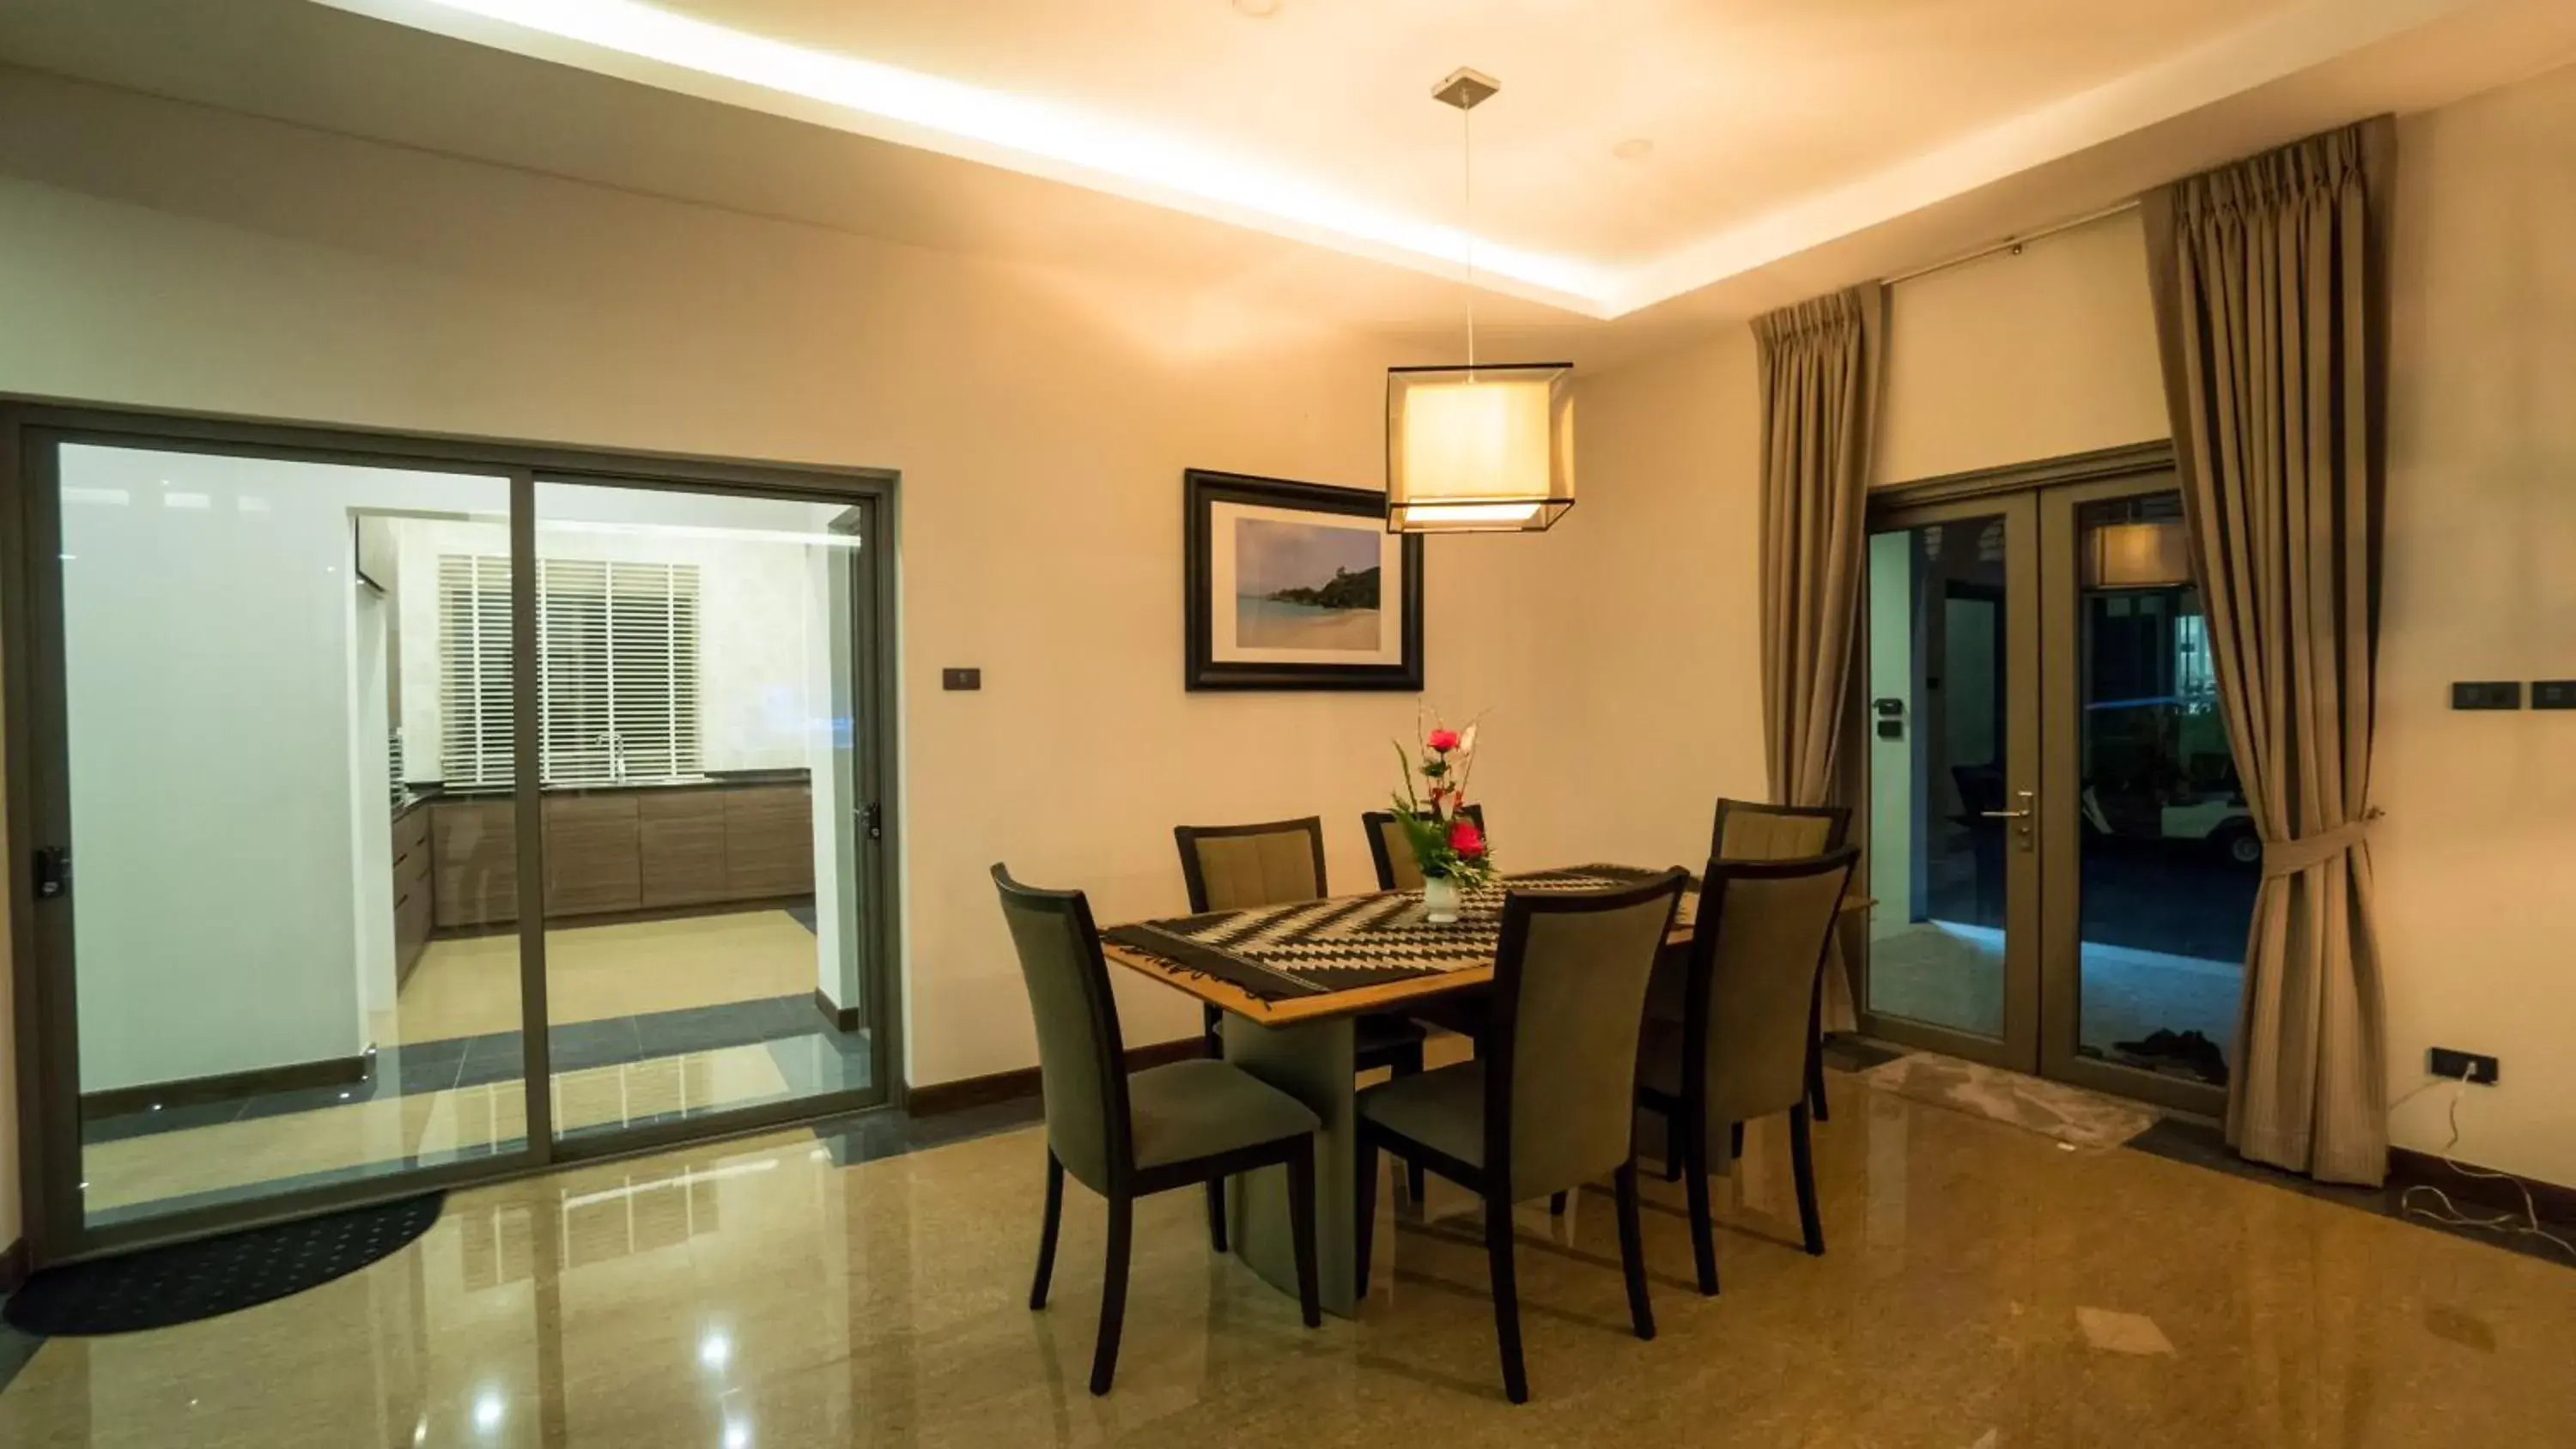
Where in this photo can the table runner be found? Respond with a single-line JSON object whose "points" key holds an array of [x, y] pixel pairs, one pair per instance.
{"points": [[1314, 948]]}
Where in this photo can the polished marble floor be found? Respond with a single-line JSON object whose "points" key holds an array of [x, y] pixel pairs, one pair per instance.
{"points": [[650, 1021], [1983, 1289]]}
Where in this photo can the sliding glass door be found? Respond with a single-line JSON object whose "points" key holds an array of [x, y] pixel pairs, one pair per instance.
{"points": [[705, 944], [403, 816], [2061, 861], [247, 882]]}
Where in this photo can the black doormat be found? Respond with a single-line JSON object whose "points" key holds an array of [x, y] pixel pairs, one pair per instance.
{"points": [[189, 1281]]}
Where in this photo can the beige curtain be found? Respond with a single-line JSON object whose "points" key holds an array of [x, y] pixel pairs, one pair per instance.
{"points": [[1820, 384], [2270, 284]]}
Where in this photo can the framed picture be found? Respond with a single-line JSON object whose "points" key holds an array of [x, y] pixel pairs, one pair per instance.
{"points": [[1297, 586]]}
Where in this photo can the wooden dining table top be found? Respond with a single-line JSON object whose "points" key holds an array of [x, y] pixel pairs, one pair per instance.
{"points": [[1314, 960]]}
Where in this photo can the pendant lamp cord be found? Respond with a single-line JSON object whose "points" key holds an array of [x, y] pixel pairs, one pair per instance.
{"points": [[1467, 205]]}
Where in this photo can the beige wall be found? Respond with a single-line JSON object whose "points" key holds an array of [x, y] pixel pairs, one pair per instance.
{"points": [[1650, 654], [2016, 358], [162, 255], [2477, 857], [2011, 358]]}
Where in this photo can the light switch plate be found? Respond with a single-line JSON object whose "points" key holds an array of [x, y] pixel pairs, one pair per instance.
{"points": [[2487, 694], [2553, 694], [961, 679]]}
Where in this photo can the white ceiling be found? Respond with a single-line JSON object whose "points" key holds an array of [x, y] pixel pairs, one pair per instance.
{"points": [[1795, 144]]}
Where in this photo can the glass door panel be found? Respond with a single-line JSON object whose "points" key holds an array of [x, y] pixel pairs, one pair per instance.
{"points": [[284, 967], [2153, 854], [1951, 731], [705, 809]]}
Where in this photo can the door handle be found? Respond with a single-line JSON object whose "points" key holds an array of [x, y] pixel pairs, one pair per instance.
{"points": [[2024, 833]]}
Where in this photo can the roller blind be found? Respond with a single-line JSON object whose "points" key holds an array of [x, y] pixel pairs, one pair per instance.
{"points": [[617, 670]]}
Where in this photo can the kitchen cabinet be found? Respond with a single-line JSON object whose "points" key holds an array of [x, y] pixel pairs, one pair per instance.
{"points": [[414, 915], [474, 855], [769, 842], [683, 847], [620, 851], [594, 858]]}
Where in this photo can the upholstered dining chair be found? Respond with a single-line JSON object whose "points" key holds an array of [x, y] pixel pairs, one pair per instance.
{"points": [[1129, 1136], [1549, 1103], [1238, 867], [1392, 853], [1397, 870], [1740, 1051], [1750, 831]]}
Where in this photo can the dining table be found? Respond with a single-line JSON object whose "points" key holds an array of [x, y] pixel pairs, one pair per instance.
{"points": [[1292, 979]]}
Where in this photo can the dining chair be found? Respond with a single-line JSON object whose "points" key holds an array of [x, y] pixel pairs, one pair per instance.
{"points": [[1462, 1012], [1740, 1051], [1127, 1136], [1239, 867], [1747, 830], [1549, 1104], [1392, 853]]}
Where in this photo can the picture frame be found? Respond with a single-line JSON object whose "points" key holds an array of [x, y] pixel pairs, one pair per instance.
{"points": [[1296, 586]]}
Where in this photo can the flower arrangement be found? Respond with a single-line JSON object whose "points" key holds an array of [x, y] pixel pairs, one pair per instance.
{"points": [[1447, 842]]}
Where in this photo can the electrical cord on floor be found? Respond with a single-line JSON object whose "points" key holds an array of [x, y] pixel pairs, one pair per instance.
{"points": [[2448, 1213]]}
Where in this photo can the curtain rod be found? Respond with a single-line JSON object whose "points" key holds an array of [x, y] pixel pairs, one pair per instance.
{"points": [[2011, 243]]}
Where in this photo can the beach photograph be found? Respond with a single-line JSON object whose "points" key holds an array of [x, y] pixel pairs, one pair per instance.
{"points": [[1306, 586]]}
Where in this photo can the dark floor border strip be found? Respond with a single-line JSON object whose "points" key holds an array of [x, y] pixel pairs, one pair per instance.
{"points": [[840, 1018], [223, 1087], [2554, 1202], [939, 1097]]}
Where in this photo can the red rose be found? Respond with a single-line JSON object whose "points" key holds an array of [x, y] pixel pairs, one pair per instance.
{"points": [[1443, 740], [1465, 838]]}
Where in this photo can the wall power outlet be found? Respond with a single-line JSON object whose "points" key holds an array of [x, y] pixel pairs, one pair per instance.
{"points": [[2458, 1066]]}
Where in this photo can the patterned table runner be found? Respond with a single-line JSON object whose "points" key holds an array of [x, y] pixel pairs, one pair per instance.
{"points": [[1315, 948]]}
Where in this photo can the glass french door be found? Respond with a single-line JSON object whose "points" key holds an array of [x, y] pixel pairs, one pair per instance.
{"points": [[1952, 737], [2061, 860]]}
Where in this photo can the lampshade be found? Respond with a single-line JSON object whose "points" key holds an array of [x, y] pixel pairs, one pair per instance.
{"points": [[1480, 449]]}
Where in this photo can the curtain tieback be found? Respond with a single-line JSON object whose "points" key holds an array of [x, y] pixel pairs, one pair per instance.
{"points": [[2289, 857]]}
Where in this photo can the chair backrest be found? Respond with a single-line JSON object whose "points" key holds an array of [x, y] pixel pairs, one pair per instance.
{"points": [[1570, 978], [1747, 830], [1081, 1056], [1397, 870], [1757, 959], [1237, 867]]}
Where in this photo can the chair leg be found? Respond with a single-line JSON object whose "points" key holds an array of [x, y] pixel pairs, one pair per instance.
{"points": [[1407, 1065], [1702, 1214], [1556, 1205], [1047, 1231], [1735, 1140], [1632, 1251], [1301, 1228], [1364, 1236], [1816, 1084], [1113, 1292], [1507, 1298], [1216, 1213], [1802, 1157], [1672, 1146]]}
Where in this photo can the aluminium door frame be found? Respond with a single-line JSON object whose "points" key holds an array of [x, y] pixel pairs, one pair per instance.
{"points": [[2058, 486], [35, 770], [2016, 1046], [2062, 818]]}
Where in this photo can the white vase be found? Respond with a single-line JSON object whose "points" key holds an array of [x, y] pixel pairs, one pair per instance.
{"points": [[1439, 900]]}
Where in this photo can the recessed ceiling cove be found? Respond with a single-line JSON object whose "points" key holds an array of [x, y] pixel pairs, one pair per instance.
{"points": [[1777, 125]]}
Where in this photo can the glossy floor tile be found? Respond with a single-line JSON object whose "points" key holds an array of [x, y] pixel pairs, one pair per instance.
{"points": [[1982, 1289], [470, 986]]}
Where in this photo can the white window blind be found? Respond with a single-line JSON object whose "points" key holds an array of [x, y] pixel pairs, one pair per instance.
{"points": [[617, 661]]}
